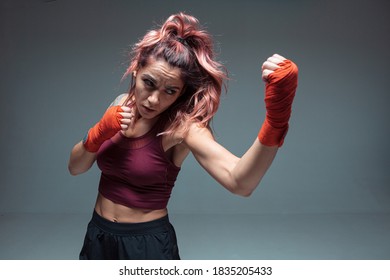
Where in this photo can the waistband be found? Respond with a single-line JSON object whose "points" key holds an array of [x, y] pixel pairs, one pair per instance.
{"points": [[155, 226]]}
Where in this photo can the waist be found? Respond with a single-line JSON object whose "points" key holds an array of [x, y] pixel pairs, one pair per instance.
{"points": [[155, 226], [119, 213]]}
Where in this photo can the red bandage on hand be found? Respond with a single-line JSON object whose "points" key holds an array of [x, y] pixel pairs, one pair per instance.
{"points": [[279, 95], [106, 128]]}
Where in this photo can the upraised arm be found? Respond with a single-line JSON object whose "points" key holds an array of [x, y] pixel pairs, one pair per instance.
{"points": [[242, 175]]}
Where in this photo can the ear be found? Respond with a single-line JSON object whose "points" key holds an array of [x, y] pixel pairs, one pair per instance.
{"points": [[135, 74]]}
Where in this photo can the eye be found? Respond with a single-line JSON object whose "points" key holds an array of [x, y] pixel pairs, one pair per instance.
{"points": [[148, 83], [171, 91]]}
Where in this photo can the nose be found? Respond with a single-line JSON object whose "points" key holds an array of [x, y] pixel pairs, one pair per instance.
{"points": [[154, 98]]}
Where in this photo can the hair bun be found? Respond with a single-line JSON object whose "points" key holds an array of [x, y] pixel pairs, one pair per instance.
{"points": [[179, 25]]}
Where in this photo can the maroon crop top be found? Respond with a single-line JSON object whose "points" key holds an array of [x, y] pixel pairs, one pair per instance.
{"points": [[136, 172]]}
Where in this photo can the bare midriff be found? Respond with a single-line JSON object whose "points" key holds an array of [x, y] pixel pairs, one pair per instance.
{"points": [[122, 214]]}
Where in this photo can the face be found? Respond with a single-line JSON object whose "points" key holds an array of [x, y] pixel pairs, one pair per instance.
{"points": [[157, 86]]}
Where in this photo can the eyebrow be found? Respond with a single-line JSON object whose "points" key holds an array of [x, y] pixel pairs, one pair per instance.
{"points": [[173, 87], [148, 76]]}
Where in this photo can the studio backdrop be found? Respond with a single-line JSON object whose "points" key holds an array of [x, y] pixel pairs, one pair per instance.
{"points": [[61, 64]]}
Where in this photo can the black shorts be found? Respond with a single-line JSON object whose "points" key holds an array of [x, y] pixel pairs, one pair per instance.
{"points": [[106, 240]]}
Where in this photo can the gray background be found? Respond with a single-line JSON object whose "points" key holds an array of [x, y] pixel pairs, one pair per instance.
{"points": [[61, 64]]}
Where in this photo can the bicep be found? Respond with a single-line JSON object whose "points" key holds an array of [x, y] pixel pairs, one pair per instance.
{"points": [[213, 157]]}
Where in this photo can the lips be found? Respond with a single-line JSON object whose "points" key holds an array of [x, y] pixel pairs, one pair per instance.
{"points": [[147, 109]]}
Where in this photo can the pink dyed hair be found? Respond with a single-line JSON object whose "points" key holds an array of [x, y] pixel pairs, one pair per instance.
{"points": [[183, 44]]}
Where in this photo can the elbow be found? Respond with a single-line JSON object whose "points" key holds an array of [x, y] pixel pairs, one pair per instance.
{"points": [[245, 193], [74, 171], [245, 189], [242, 191]]}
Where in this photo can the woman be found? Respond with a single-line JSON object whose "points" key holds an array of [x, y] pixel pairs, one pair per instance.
{"points": [[145, 135]]}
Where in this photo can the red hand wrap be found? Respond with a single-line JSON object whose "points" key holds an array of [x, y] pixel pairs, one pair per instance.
{"points": [[106, 128], [279, 95]]}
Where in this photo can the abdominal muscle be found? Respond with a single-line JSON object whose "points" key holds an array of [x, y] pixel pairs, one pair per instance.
{"points": [[122, 214]]}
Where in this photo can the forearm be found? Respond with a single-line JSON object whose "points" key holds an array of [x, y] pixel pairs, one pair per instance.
{"points": [[83, 154], [251, 168], [281, 76], [80, 159]]}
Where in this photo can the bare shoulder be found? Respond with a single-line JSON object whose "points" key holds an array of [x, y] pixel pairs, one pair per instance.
{"points": [[196, 130], [208, 152], [119, 100], [198, 136]]}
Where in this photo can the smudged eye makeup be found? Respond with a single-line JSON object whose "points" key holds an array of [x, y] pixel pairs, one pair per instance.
{"points": [[150, 83]]}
